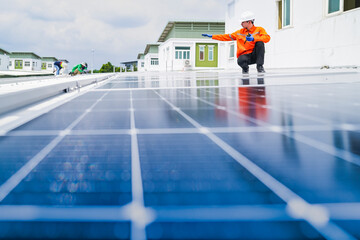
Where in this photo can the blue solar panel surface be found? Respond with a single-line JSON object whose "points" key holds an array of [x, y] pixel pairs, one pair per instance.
{"points": [[189, 156]]}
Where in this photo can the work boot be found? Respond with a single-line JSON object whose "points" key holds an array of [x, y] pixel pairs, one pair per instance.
{"points": [[245, 70], [260, 69]]}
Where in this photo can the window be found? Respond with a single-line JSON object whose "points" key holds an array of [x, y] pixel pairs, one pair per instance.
{"points": [[18, 64], [182, 52], [27, 64], [10, 63], [142, 64], [333, 6], [336, 6], [43, 65], [154, 61], [211, 53], [351, 4], [232, 51], [49, 65], [284, 13], [202, 53]]}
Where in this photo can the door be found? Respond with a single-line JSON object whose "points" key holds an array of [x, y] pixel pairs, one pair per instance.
{"points": [[206, 55], [18, 64]]}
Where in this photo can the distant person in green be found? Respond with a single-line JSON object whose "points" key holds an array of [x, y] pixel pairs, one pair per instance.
{"points": [[79, 69]]}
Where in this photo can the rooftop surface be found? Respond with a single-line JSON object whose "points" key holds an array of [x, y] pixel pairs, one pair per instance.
{"points": [[187, 155]]}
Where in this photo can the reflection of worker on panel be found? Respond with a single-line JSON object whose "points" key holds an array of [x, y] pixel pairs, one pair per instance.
{"points": [[252, 101], [250, 43]]}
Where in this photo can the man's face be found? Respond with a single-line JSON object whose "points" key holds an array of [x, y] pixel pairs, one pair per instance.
{"points": [[245, 24]]}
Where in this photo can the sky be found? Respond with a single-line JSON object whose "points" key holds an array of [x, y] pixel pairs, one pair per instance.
{"points": [[117, 30]]}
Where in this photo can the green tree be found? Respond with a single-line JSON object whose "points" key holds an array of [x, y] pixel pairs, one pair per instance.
{"points": [[108, 67]]}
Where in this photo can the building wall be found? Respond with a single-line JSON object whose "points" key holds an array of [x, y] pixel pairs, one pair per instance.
{"points": [[168, 61], [4, 62], [49, 66], [29, 64], [141, 65], [314, 39], [147, 61]]}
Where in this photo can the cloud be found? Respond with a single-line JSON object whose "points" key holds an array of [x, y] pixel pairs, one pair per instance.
{"points": [[117, 30]]}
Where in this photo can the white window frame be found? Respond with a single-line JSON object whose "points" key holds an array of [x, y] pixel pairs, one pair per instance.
{"points": [[341, 8], [283, 14], [326, 10], [211, 53], [232, 46], [154, 61], [181, 54], [26, 63], [203, 49]]}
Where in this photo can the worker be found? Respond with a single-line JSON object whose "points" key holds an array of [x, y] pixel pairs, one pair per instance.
{"points": [[59, 66], [250, 43], [79, 69]]}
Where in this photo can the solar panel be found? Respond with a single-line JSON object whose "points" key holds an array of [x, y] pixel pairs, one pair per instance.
{"points": [[189, 155]]}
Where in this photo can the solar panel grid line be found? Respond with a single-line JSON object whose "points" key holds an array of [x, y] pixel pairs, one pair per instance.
{"points": [[338, 211], [325, 227], [342, 154], [16, 178], [332, 101], [180, 130], [113, 213], [35, 213], [272, 108], [35, 133], [194, 214], [35, 110], [140, 216], [346, 155]]}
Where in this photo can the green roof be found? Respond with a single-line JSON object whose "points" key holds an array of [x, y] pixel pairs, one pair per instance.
{"points": [[151, 48], [24, 55], [49, 59], [190, 29], [2, 51]]}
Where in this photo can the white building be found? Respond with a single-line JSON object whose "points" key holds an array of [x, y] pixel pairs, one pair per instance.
{"points": [[141, 62], [47, 63], [4, 60], [25, 61], [182, 47], [304, 33], [151, 57]]}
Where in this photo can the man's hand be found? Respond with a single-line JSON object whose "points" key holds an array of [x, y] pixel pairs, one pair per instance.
{"points": [[249, 38], [206, 35]]}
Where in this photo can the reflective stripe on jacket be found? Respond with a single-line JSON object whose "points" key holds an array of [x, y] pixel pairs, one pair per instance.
{"points": [[259, 34]]}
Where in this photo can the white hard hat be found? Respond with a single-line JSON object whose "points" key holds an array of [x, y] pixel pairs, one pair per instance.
{"points": [[247, 16]]}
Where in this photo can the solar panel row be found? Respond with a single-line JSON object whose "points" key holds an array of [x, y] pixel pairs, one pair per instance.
{"points": [[214, 162]]}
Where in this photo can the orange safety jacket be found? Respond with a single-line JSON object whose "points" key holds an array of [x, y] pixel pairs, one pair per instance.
{"points": [[243, 47]]}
